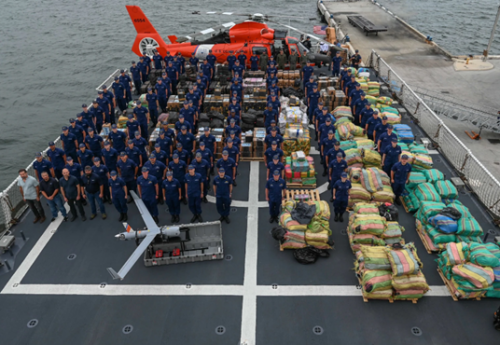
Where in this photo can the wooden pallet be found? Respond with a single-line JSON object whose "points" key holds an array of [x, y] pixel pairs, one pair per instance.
{"points": [[404, 205], [428, 249], [251, 159], [450, 287], [390, 299], [290, 194], [300, 185]]}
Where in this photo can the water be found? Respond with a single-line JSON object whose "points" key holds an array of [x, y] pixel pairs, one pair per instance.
{"points": [[55, 52]]}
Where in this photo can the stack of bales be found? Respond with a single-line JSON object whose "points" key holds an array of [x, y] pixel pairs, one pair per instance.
{"points": [[299, 168]]}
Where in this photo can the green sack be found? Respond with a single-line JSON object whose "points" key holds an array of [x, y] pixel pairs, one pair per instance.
{"points": [[469, 227], [415, 179], [480, 255], [433, 175], [457, 205], [426, 192], [438, 237], [446, 189]]}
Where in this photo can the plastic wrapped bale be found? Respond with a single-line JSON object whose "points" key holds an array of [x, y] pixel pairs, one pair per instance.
{"points": [[371, 180], [480, 255], [366, 240], [365, 208], [410, 286], [418, 149], [405, 136], [427, 192], [294, 240], [358, 194], [444, 224], [389, 211], [384, 195], [342, 121], [494, 290], [344, 132], [368, 224], [457, 205], [365, 144], [415, 179], [479, 277], [357, 131], [422, 162], [438, 237], [455, 253], [446, 189], [404, 146], [347, 144], [429, 209], [376, 280], [387, 109], [289, 205], [404, 261], [355, 175], [343, 111], [353, 156], [375, 258], [385, 100], [371, 158], [287, 222], [468, 226], [401, 128], [392, 119], [386, 180], [393, 230], [494, 249], [433, 175], [469, 239], [318, 239], [371, 99]]}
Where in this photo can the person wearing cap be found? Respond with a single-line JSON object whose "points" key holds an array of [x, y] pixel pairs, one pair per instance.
{"points": [[273, 87], [354, 95], [50, 189], [318, 113], [182, 62], [104, 103], [102, 172], [273, 165], [172, 194], [198, 89], [281, 59], [229, 166], [234, 108], [365, 114], [71, 193], [380, 128], [210, 142], [207, 155], [195, 98], [400, 174], [157, 60], [346, 78], [165, 144], [148, 189], [275, 102], [331, 154], [160, 155], [58, 159], [117, 138], [235, 139], [211, 58], [242, 58], [263, 60], [274, 136], [194, 61], [173, 75], [88, 116], [275, 192], [120, 94], [188, 113], [233, 127], [271, 80], [341, 196], [223, 189], [208, 70], [41, 164], [232, 116], [182, 123], [271, 71], [85, 156], [321, 120], [77, 131], [271, 127], [74, 168], [156, 169], [194, 192], [355, 59], [359, 105], [372, 122], [134, 153], [142, 115], [305, 73], [337, 167], [168, 58], [254, 61], [127, 169], [69, 142], [204, 79], [352, 85], [272, 151], [236, 86], [391, 156], [127, 84], [188, 141], [119, 194], [29, 188], [182, 153], [385, 139], [312, 101], [233, 152], [147, 63], [153, 105], [202, 167], [169, 132], [162, 92], [201, 86], [144, 68], [93, 191], [310, 84], [231, 58], [179, 169], [80, 121], [238, 78], [141, 144], [335, 65], [132, 126], [326, 145], [94, 143], [326, 127], [98, 115]]}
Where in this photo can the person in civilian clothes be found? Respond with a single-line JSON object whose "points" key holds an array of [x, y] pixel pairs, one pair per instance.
{"points": [[50, 190], [30, 192], [71, 192]]}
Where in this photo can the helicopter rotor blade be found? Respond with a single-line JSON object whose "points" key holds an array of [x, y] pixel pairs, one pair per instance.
{"points": [[224, 26]]}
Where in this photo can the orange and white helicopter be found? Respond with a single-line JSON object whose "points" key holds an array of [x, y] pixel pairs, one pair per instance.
{"points": [[246, 37]]}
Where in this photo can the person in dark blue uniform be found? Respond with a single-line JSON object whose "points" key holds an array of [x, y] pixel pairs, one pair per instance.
{"points": [[321, 119], [233, 127], [306, 72], [173, 75], [109, 156], [143, 67], [229, 166], [193, 61], [275, 188], [103, 172], [112, 103], [141, 144], [169, 132], [232, 116], [74, 168], [310, 84], [207, 155], [272, 151], [275, 102], [120, 94], [354, 95], [104, 103], [156, 169], [254, 62], [223, 190], [380, 129], [209, 140], [231, 58], [142, 115], [359, 105], [274, 165], [341, 196], [188, 141], [386, 139], [147, 62], [211, 58], [94, 143], [136, 77], [372, 122], [78, 131], [172, 194], [331, 155], [194, 193], [325, 128], [161, 156], [365, 114], [165, 143], [153, 105], [127, 84], [80, 121], [271, 126], [147, 186], [235, 139], [157, 60], [237, 87], [326, 145], [134, 153], [271, 79], [234, 107], [274, 136], [119, 194], [182, 123], [335, 65], [168, 58], [270, 114], [85, 157], [400, 173], [337, 167], [391, 156], [41, 165], [128, 171], [182, 153], [99, 115], [191, 96], [69, 143], [274, 88], [202, 167], [242, 58], [345, 79], [271, 70], [57, 158], [178, 167], [188, 113], [318, 113], [207, 70], [162, 94], [118, 138]]}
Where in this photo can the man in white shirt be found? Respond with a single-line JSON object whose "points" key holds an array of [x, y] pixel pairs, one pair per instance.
{"points": [[30, 191]]}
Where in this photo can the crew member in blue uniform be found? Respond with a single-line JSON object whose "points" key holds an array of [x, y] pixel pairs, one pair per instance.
{"points": [[326, 145], [74, 168], [120, 94], [182, 153], [326, 127], [331, 155], [341, 196], [147, 186], [211, 58], [270, 114], [207, 70], [127, 84], [103, 173], [169, 132], [142, 115], [109, 156], [274, 136], [143, 67], [271, 126], [207, 155], [162, 93], [273, 87], [104, 103], [400, 174], [335, 65], [157, 60], [172, 193], [391, 156], [193, 61], [337, 167], [345, 79], [233, 127], [188, 141], [153, 105], [41, 165], [234, 106], [188, 113], [194, 193], [57, 158], [69, 142], [182, 123], [141, 144], [223, 189], [229, 166], [161, 156], [136, 77], [306, 72], [237, 87], [242, 58], [128, 171], [78, 131], [310, 84], [173, 75], [275, 192], [94, 143], [209, 140], [118, 138], [194, 97], [366, 114], [356, 59], [235, 139], [147, 62], [168, 58], [80, 121], [312, 102], [119, 195], [178, 167], [232, 116], [271, 70], [112, 103], [380, 129], [270, 80], [254, 62], [320, 120], [272, 151], [85, 157], [182, 62], [156, 169], [231, 58], [99, 115], [372, 122], [165, 143], [386, 139], [274, 165], [202, 167], [275, 102], [354, 95]]}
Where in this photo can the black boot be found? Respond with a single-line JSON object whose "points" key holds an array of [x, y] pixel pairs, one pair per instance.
{"points": [[125, 217], [221, 219], [184, 201], [121, 217], [324, 173], [177, 219], [227, 219], [156, 220], [172, 220], [341, 218], [398, 201], [336, 217], [200, 219], [271, 219], [205, 200], [194, 218]]}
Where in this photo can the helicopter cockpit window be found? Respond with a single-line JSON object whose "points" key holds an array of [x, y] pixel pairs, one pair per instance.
{"points": [[259, 50]]}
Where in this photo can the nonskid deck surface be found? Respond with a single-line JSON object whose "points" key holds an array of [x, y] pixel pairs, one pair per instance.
{"points": [[256, 294]]}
